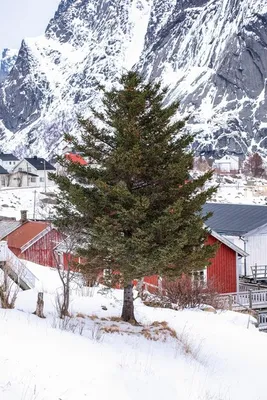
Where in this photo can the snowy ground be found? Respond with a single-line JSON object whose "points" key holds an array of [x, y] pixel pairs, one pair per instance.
{"points": [[34, 200], [190, 355], [38, 204]]}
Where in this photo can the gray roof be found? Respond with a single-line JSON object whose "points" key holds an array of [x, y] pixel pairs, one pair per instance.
{"points": [[8, 226], [3, 171], [8, 157], [40, 164], [235, 219]]}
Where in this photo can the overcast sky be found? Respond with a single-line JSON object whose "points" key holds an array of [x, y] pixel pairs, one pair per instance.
{"points": [[23, 18]]}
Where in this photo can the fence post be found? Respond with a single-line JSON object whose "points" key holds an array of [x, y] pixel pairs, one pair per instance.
{"points": [[250, 298], [230, 303]]}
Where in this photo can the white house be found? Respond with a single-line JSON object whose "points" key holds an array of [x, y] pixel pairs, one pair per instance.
{"points": [[36, 170], [244, 225], [8, 161], [227, 164], [22, 179]]}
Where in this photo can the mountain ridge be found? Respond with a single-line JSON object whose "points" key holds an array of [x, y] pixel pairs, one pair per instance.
{"points": [[211, 53]]}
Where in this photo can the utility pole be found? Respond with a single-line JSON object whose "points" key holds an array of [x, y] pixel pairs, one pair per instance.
{"points": [[45, 175], [34, 204]]}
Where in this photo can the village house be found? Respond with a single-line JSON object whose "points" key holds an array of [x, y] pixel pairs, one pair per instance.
{"points": [[34, 241], [228, 164], [223, 271], [74, 158], [8, 161], [245, 226], [33, 172]]}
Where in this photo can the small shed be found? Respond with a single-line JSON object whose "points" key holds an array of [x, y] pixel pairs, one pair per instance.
{"points": [[35, 241]]}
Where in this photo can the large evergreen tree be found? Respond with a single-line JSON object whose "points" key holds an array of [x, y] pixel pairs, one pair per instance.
{"points": [[135, 201]]}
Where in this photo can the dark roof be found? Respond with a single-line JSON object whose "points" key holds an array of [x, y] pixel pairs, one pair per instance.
{"points": [[3, 170], [38, 163], [235, 219], [8, 157]]}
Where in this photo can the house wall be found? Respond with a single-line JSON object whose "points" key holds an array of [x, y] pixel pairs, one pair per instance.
{"points": [[42, 178], [8, 165], [223, 269], [3, 180], [21, 180], [227, 164], [42, 252], [255, 246]]}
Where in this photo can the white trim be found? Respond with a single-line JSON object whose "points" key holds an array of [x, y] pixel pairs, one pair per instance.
{"points": [[237, 273], [256, 230], [229, 244], [35, 239]]}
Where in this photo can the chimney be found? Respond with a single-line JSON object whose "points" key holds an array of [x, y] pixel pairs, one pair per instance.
{"points": [[23, 216], [35, 157]]}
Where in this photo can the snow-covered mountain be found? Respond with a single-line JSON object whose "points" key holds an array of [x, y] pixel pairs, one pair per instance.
{"points": [[211, 53], [7, 61]]}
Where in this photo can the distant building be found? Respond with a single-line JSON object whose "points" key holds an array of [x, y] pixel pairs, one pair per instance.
{"points": [[227, 164], [36, 170], [72, 157], [8, 161]]}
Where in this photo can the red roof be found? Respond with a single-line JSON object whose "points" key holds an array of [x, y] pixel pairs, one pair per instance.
{"points": [[76, 158], [25, 233]]}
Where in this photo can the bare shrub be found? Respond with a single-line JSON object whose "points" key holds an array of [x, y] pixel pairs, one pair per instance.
{"points": [[188, 293], [68, 324], [8, 286]]}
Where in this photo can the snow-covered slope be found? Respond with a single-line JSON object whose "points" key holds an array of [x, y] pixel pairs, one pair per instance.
{"points": [[7, 61], [211, 53], [185, 355]]}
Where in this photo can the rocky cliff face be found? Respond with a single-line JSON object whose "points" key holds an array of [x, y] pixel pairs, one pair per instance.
{"points": [[7, 61], [212, 54]]}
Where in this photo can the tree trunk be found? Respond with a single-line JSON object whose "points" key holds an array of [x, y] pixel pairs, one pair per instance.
{"points": [[128, 304], [40, 306], [66, 301]]}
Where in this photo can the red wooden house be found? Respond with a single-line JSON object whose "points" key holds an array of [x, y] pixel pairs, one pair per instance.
{"points": [[34, 241], [223, 272]]}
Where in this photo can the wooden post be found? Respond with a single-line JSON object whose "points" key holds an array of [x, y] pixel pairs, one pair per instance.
{"points": [[230, 302], [250, 298], [40, 306]]}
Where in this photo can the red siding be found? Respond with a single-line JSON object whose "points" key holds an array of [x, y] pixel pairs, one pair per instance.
{"points": [[42, 251], [223, 268]]}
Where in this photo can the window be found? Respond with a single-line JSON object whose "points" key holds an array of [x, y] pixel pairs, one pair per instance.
{"points": [[41, 179], [29, 169], [199, 276], [3, 182], [10, 162], [33, 179], [20, 169]]}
